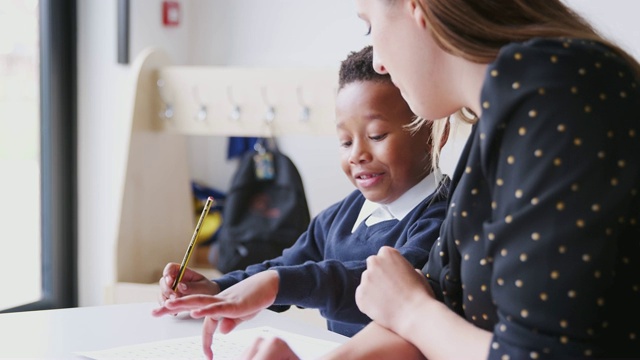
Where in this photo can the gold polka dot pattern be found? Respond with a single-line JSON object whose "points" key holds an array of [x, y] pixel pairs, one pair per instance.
{"points": [[549, 247]]}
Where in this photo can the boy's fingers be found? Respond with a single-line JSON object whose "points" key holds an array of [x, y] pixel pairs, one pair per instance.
{"points": [[208, 329], [221, 308], [169, 269], [182, 287], [160, 311], [168, 282], [197, 304], [226, 325]]}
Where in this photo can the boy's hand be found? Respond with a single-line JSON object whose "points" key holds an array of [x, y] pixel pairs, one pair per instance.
{"points": [[192, 283], [229, 308]]}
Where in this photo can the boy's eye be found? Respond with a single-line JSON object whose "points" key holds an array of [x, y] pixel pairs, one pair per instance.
{"points": [[378, 137], [345, 144]]}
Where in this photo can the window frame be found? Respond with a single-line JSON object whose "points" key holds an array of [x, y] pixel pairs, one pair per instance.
{"points": [[58, 156]]}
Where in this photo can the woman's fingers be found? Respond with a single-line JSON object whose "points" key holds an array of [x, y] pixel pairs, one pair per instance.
{"points": [[269, 349], [252, 350]]}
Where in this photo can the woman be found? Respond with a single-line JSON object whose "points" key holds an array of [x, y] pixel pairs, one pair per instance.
{"points": [[539, 255]]}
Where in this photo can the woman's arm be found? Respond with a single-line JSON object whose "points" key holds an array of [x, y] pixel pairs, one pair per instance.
{"points": [[397, 297], [375, 342]]}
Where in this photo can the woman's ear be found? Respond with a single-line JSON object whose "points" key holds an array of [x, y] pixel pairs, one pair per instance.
{"points": [[416, 13], [435, 128], [445, 133]]}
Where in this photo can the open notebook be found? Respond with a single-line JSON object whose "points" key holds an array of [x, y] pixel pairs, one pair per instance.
{"points": [[225, 347]]}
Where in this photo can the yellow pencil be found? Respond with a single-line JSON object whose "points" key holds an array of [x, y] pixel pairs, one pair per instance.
{"points": [[192, 243]]}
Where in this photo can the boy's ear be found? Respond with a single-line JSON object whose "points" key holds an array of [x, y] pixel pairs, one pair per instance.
{"points": [[416, 13]]}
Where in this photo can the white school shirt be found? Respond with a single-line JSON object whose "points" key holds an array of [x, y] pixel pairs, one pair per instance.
{"points": [[372, 213]]}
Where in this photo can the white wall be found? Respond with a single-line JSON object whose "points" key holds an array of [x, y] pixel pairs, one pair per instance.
{"points": [[309, 33], [105, 94], [221, 32], [276, 33], [102, 134], [615, 19], [243, 32]]}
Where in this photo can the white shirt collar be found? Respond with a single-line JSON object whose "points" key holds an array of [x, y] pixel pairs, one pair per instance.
{"points": [[402, 205]]}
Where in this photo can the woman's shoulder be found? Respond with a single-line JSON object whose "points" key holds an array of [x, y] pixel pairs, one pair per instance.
{"points": [[551, 75], [572, 65], [554, 50], [563, 44], [552, 57]]}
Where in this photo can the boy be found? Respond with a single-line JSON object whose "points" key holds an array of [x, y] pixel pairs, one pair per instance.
{"points": [[398, 203]]}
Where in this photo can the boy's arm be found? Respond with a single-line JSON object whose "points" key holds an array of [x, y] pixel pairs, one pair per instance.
{"points": [[337, 281], [304, 249]]}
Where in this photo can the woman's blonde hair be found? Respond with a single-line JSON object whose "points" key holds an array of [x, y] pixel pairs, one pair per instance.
{"points": [[440, 130], [476, 30]]}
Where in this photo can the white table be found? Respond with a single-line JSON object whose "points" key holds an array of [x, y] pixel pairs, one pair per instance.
{"points": [[58, 334]]}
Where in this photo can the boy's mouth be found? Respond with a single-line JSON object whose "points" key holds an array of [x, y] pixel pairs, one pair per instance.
{"points": [[366, 176], [368, 180]]}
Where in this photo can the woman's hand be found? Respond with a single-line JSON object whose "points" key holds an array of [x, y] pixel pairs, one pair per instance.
{"points": [[269, 349], [390, 288], [229, 308]]}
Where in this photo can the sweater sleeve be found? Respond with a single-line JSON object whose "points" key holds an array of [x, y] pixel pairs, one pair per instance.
{"points": [[329, 285], [307, 248]]}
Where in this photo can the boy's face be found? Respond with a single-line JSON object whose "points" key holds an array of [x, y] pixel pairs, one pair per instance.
{"points": [[378, 154]]}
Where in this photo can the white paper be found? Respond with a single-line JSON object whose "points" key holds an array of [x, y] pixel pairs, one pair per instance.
{"points": [[225, 347]]}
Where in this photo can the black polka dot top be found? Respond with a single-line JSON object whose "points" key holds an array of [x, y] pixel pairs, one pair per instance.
{"points": [[541, 244]]}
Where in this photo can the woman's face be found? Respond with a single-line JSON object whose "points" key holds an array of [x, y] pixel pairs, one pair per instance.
{"points": [[404, 48]]}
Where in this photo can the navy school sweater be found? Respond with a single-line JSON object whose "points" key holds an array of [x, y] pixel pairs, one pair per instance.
{"points": [[323, 268]]}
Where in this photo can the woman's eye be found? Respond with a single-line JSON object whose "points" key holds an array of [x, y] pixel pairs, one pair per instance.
{"points": [[345, 144], [378, 137]]}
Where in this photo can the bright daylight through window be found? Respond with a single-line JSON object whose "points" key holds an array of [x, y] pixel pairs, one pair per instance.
{"points": [[20, 211]]}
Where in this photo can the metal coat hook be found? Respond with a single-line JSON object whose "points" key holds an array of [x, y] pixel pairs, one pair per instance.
{"points": [[201, 114], [270, 115], [305, 113], [167, 112], [235, 110]]}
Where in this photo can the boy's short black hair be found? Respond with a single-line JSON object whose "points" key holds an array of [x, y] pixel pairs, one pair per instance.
{"points": [[358, 66]]}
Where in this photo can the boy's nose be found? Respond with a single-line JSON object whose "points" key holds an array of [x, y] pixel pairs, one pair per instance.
{"points": [[359, 154]]}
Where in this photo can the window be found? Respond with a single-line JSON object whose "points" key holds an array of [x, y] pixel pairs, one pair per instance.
{"points": [[37, 154]]}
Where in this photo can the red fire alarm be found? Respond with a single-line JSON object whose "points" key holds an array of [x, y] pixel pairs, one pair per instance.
{"points": [[170, 13]]}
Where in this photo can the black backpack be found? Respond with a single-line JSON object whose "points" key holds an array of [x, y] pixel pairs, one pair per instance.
{"points": [[263, 214]]}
